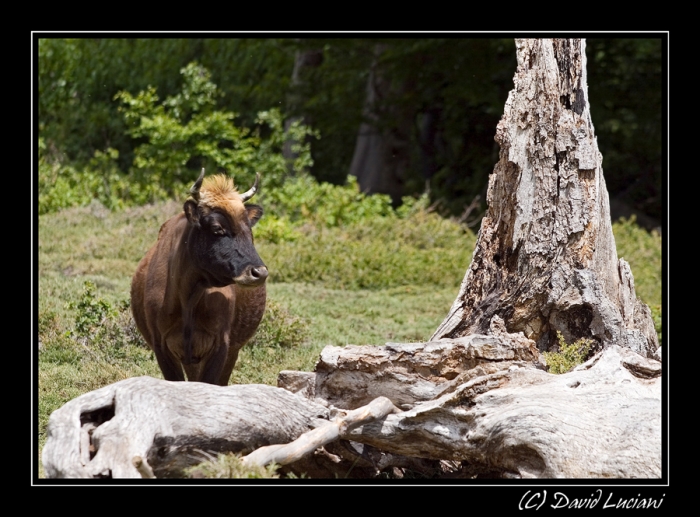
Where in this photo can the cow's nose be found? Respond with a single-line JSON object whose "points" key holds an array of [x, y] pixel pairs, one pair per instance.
{"points": [[253, 276], [259, 273]]}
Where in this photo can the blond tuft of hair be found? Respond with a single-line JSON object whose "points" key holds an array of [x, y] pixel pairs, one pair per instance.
{"points": [[218, 191]]}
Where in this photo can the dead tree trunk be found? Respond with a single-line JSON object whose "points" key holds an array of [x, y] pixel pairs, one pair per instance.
{"points": [[545, 260], [381, 153]]}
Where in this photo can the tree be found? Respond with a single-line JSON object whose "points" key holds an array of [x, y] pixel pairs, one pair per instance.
{"points": [[381, 156], [545, 260]]}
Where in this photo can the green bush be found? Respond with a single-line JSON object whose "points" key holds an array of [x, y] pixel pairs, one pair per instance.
{"points": [[106, 328], [64, 186], [178, 137], [279, 327], [91, 311], [569, 355], [304, 200], [371, 253], [185, 133]]}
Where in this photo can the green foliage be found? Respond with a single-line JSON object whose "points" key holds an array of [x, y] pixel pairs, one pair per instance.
{"points": [[302, 203], [569, 355], [91, 312], [230, 466], [79, 77], [185, 133], [373, 253], [304, 200], [63, 186], [279, 327], [625, 81], [441, 96], [178, 136], [104, 325]]}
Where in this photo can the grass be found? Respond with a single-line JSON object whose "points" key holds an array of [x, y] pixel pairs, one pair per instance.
{"points": [[384, 279], [642, 249]]}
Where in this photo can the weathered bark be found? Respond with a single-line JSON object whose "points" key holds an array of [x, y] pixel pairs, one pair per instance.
{"points": [[486, 400], [601, 420], [409, 374], [545, 260], [329, 432]]}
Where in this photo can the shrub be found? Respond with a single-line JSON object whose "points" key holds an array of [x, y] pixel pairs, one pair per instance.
{"points": [[569, 355], [92, 312], [279, 327], [374, 252], [185, 132], [107, 327], [63, 186], [303, 200]]}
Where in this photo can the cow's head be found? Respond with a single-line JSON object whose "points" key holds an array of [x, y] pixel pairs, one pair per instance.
{"points": [[219, 240]]}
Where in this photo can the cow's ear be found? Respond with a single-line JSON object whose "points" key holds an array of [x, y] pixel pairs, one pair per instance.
{"points": [[191, 212], [255, 212]]}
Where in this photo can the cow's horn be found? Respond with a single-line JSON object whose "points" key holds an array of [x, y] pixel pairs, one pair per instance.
{"points": [[250, 193], [194, 191]]}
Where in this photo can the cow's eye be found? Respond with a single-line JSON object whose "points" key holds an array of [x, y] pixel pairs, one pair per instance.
{"points": [[217, 229]]}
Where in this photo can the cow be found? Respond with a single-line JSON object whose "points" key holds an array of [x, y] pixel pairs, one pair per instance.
{"points": [[199, 293]]}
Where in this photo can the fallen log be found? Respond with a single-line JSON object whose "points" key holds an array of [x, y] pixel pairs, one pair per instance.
{"points": [[170, 426], [501, 410], [408, 374], [494, 410]]}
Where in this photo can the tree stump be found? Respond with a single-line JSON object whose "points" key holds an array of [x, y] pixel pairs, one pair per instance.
{"points": [[545, 258]]}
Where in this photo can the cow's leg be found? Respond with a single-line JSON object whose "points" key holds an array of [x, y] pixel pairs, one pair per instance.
{"points": [[170, 368], [231, 359], [211, 371]]}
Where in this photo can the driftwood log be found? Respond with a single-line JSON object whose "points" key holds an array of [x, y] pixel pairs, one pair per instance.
{"points": [[509, 417], [169, 426]]}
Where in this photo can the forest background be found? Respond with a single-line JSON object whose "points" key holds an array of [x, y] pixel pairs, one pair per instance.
{"points": [[434, 102]]}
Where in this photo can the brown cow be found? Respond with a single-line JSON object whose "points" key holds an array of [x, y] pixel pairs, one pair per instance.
{"points": [[199, 293]]}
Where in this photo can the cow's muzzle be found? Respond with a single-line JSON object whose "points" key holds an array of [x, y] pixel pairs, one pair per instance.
{"points": [[252, 276]]}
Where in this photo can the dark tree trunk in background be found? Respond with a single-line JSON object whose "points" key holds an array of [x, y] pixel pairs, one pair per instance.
{"points": [[303, 59], [381, 156], [545, 260]]}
